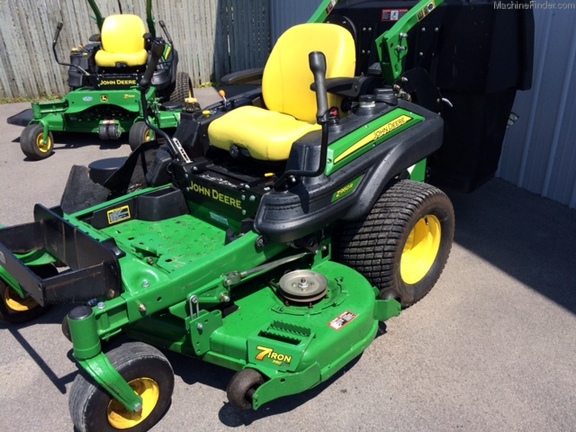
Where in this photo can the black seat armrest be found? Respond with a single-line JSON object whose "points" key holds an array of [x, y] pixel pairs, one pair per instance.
{"points": [[248, 76], [350, 87]]}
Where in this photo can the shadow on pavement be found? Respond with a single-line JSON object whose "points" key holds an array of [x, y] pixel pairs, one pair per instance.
{"points": [[77, 139], [532, 239], [53, 315]]}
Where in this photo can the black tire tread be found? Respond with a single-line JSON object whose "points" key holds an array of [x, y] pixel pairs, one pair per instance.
{"points": [[182, 87], [123, 357], [137, 134], [369, 245], [28, 142], [240, 386]]}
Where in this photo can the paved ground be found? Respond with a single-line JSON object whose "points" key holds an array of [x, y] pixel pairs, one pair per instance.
{"points": [[491, 348]]}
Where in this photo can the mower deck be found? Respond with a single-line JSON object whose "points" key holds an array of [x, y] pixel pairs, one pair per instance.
{"points": [[296, 345]]}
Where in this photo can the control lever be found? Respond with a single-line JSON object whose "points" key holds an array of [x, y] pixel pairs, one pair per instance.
{"points": [[59, 27], [165, 30], [57, 34], [317, 62], [318, 67], [176, 149], [156, 51]]}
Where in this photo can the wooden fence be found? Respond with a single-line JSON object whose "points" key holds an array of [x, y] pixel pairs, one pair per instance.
{"points": [[213, 37]]}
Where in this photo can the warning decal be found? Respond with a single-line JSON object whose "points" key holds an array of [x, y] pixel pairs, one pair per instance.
{"points": [[391, 15], [343, 320], [118, 214]]}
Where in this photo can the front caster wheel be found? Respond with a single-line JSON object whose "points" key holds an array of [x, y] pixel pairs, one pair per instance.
{"points": [[403, 243], [149, 374], [242, 386], [140, 133], [32, 142]]}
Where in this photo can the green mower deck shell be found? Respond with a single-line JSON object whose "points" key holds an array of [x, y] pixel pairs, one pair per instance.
{"points": [[85, 110], [295, 346]]}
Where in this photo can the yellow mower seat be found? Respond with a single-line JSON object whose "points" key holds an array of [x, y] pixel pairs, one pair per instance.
{"points": [[268, 134], [122, 40]]}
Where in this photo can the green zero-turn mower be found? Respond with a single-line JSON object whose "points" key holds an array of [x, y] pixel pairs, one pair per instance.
{"points": [[104, 97], [271, 235]]}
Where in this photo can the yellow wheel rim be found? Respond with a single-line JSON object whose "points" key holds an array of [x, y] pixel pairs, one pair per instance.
{"points": [[149, 136], [16, 303], [43, 147], [420, 250], [121, 418]]}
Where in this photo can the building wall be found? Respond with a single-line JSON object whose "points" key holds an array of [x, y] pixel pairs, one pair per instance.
{"points": [[539, 151], [284, 14]]}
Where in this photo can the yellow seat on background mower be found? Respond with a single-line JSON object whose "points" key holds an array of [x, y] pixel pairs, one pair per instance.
{"points": [[123, 41], [268, 134]]}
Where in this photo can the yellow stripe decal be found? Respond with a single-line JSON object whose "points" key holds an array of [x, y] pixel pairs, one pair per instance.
{"points": [[374, 136], [167, 52]]}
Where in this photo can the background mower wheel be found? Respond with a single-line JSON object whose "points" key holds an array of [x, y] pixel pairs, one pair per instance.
{"points": [[147, 371], [140, 133], [182, 88], [16, 309], [32, 142], [402, 245], [242, 386]]}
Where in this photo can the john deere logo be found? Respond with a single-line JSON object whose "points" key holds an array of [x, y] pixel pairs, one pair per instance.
{"points": [[276, 357], [118, 82], [104, 98], [372, 138]]}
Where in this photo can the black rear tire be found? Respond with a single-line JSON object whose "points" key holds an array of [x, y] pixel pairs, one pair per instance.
{"points": [[182, 88], [32, 145], [148, 372], [402, 245]]}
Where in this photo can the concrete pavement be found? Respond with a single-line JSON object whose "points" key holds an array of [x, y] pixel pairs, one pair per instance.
{"points": [[491, 348]]}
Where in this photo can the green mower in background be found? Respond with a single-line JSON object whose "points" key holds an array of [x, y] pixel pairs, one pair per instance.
{"points": [[271, 235], [103, 77]]}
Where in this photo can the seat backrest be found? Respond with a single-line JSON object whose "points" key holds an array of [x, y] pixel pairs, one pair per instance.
{"points": [[287, 76], [123, 34]]}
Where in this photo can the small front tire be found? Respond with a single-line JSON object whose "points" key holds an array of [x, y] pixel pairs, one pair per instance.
{"points": [[242, 386], [32, 142], [140, 133], [147, 371]]}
